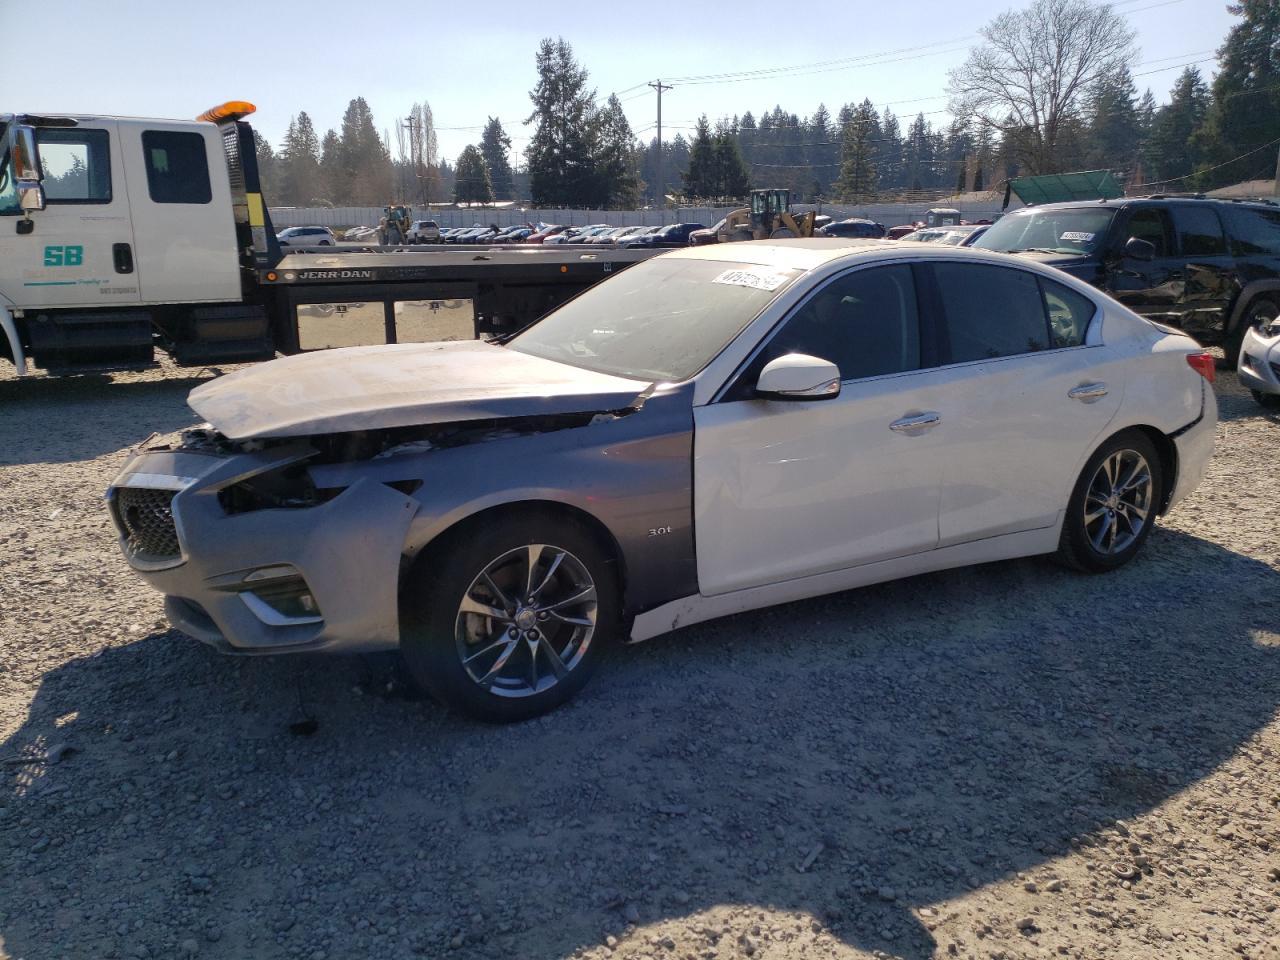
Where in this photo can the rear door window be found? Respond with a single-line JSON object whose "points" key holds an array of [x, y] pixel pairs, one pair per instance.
{"points": [[1199, 231], [177, 167], [1254, 230], [1069, 312], [990, 312]]}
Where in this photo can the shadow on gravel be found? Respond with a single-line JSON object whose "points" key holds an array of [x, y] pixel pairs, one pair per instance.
{"points": [[932, 736], [82, 417]]}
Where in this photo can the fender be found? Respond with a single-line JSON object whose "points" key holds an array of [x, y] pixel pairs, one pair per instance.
{"points": [[1244, 298], [15, 345]]}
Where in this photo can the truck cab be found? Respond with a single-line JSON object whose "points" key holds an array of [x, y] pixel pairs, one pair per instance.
{"points": [[112, 230]]}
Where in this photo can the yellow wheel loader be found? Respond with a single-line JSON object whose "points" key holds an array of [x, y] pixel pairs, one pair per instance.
{"points": [[768, 218]]}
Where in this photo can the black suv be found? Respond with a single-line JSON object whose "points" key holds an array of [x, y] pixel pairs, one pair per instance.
{"points": [[1209, 267]]}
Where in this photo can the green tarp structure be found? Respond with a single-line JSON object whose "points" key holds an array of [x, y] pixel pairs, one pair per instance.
{"points": [[1057, 187]]}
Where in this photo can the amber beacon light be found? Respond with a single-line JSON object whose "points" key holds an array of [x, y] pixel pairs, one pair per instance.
{"points": [[231, 110]]}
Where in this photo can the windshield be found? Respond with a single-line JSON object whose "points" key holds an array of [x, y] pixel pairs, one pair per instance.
{"points": [[663, 319], [1077, 230]]}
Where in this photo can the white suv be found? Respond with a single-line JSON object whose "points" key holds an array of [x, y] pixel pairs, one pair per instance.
{"points": [[306, 237], [423, 231]]}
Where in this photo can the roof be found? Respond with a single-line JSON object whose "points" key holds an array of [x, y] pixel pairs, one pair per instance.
{"points": [[1057, 187], [1119, 202]]}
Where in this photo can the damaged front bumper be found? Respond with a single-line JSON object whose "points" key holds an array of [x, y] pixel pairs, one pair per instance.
{"points": [[310, 576]]}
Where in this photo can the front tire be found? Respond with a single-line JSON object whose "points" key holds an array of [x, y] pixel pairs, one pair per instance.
{"points": [[1268, 401], [507, 622], [1113, 506]]}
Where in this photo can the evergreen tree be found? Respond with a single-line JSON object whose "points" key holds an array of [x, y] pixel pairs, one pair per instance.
{"points": [[268, 162], [731, 176], [615, 158], [494, 147], [559, 156], [918, 155], [1175, 152], [471, 183], [889, 152], [333, 172], [300, 163], [1115, 134], [857, 179], [699, 179], [1245, 109], [366, 161]]}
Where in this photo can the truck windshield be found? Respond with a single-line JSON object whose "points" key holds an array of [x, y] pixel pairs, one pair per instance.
{"points": [[1079, 230], [663, 319]]}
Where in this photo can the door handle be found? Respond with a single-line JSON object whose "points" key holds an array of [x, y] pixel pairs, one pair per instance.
{"points": [[1088, 392], [916, 423], [122, 255]]}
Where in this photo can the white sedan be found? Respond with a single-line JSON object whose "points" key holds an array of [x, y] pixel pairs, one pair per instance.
{"points": [[713, 430]]}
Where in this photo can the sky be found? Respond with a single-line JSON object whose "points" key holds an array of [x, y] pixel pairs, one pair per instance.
{"points": [[178, 57]]}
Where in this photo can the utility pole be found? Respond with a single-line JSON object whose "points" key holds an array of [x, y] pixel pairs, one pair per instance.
{"points": [[416, 160], [661, 196]]}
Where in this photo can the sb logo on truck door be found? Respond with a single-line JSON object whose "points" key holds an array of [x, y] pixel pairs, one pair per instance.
{"points": [[63, 256]]}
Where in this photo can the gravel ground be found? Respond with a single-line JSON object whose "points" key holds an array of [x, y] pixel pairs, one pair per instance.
{"points": [[1003, 762]]}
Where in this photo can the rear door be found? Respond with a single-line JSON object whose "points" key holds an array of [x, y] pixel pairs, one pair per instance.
{"points": [[1211, 280], [181, 192], [1027, 397], [77, 252]]}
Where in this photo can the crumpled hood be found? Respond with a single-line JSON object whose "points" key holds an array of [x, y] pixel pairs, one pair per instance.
{"points": [[401, 385]]}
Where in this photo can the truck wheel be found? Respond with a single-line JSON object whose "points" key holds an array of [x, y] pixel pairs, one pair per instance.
{"points": [[508, 622], [1261, 312]]}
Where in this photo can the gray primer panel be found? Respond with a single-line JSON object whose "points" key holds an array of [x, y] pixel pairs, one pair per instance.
{"points": [[400, 385], [634, 474]]}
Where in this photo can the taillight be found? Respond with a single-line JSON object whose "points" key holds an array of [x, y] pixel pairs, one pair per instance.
{"points": [[1202, 363]]}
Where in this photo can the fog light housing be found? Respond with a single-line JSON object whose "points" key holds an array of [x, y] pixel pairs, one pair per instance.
{"points": [[280, 597]]}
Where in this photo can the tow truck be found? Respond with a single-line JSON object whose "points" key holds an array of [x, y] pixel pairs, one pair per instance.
{"points": [[120, 236]]}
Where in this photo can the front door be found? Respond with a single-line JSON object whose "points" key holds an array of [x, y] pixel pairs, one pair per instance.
{"points": [[79, 251], [788, 489], [1153, 288]]}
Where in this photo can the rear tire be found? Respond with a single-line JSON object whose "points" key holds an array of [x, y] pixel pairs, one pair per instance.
{"points": [[507, 621], [1113, 506]]}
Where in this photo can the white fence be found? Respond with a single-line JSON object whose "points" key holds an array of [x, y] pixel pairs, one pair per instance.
{"points": [[887, 213]]}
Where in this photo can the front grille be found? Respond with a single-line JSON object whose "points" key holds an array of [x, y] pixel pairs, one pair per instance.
{"points": [[147, 517]]}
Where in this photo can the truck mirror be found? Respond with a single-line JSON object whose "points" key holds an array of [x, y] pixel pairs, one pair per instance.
{"points": [[25, 153]]}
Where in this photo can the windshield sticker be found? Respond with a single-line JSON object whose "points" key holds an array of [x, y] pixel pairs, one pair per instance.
{"points": [[1078, 235], [756, 279]]}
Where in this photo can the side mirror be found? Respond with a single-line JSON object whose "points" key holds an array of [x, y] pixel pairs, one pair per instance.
{"points": [[24, 155], [1140, 249], [798, 376]]}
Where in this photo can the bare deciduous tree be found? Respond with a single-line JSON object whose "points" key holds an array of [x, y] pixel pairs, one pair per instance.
{"points": [[1031, 75]]}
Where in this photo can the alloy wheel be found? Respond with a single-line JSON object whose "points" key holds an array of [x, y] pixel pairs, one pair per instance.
{"points": [[526, 621], [1118, 503]]}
